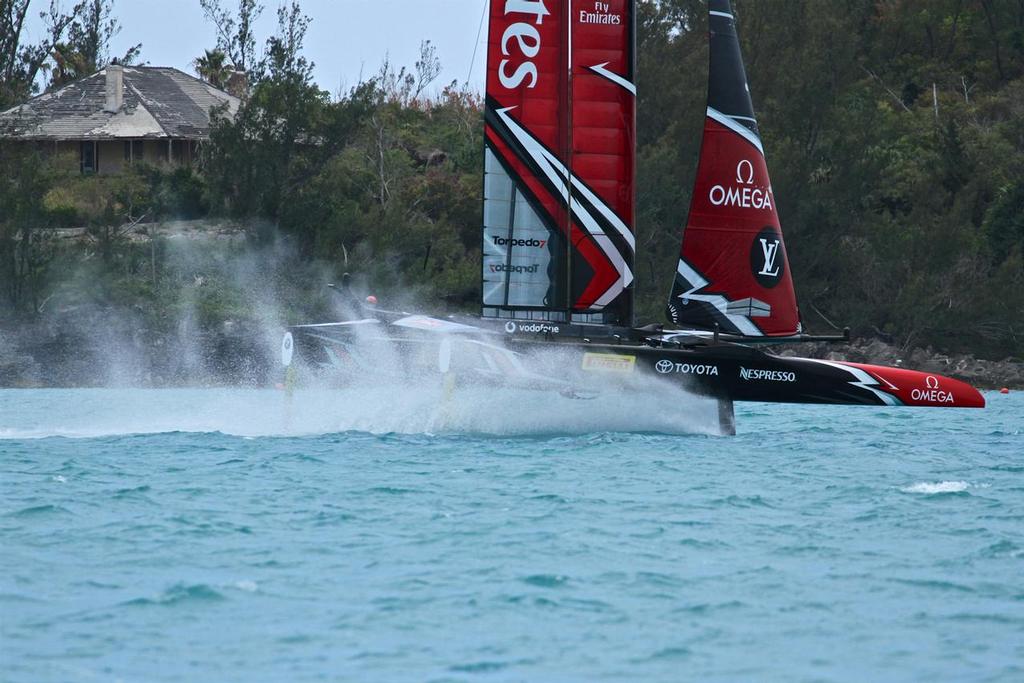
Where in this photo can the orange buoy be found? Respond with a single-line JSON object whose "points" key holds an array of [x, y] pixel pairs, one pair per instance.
{"points": [[1004, 390]]}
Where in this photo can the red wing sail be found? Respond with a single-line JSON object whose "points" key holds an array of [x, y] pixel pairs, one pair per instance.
{"points": [[733, 268], [558, 176], [524, 248], [603, 106]]}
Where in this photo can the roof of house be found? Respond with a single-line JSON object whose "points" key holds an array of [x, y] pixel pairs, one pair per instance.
{"points": [[158, 102]]}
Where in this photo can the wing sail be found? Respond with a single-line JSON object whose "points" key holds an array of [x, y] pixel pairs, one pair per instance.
{"points": [[558, 177]]}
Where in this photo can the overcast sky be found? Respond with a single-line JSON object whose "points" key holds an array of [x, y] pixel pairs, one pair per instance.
{"points": [[346, 39]]}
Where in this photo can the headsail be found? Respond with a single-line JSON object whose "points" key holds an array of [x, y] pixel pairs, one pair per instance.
{"points": [[558, 177], [733, 268]]}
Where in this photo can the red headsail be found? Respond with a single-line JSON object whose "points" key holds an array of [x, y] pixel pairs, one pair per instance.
{"points": [[733, 268]]}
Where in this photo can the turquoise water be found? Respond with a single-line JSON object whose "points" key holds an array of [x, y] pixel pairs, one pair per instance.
{"points": [[236, 536]]}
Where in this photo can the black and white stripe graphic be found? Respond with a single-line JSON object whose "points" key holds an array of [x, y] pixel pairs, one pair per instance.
{"points": [[604, 227], [718, 307], [602, 70]]}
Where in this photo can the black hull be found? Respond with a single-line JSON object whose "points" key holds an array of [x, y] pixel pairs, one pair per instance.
{"points": [[726, 372], [739, 373]]}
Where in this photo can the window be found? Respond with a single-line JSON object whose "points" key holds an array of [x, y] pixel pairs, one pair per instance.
{"points": [[88, 156]]}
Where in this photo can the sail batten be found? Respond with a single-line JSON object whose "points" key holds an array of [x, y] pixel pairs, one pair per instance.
{"points": [[733, 271]]}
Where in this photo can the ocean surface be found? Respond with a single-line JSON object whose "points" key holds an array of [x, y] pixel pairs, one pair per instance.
{"points": [[242, 535]]}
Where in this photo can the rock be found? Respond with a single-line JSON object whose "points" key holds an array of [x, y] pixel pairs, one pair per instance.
{"points": [[985, 374]]}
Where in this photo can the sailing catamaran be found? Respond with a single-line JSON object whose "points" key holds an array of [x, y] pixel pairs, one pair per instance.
{"points": [[558, 237]]}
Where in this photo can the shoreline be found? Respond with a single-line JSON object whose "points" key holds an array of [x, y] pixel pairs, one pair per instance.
{"points": [[980, 373]]}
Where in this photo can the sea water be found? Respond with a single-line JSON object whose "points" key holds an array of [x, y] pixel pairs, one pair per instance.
{"points": [[232, 535]]}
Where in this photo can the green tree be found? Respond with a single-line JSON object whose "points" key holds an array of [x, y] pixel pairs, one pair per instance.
{"points": [[235, 31], [21, 63], [254, 155], [87, 47], [26, 247], [213, 68]]}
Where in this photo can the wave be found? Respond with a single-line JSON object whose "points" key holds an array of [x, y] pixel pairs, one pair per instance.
{"points": [[38, 510], [177, 594], [930, 488]]}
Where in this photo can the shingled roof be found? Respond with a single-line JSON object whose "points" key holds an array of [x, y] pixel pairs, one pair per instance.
{"points": [[158, 102]]}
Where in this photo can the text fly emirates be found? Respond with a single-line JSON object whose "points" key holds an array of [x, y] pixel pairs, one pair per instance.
{"points": [[600, 15]]}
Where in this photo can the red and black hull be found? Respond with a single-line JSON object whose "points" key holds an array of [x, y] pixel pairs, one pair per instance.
{"points": [[740, 373], [726, 371]]}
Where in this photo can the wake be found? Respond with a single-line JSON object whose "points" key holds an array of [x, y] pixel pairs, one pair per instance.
{"points": [[423, 407]]}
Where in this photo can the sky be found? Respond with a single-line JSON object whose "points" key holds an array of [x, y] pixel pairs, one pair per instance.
{"points": [[347, 39]]}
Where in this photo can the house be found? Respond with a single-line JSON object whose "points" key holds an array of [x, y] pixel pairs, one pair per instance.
{"points": [[121, 115]]}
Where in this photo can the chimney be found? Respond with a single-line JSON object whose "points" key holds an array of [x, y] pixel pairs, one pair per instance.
{"points": [[115, 88]]}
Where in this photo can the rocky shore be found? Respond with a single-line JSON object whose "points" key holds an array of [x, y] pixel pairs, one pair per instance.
{"points": [[984, 374]]}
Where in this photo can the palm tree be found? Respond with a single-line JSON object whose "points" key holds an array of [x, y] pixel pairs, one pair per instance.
{"points": [[68, 65], [213, 68]]}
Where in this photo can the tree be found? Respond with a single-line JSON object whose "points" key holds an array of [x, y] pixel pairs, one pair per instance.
{"points": [[404, 86], [21, 63], [235, 32], [213, 68], [252, 156], [88, 44], [25, 226]]}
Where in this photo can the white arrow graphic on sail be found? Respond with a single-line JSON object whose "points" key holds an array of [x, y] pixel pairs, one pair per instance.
{"points": [[557, 173], [730, 123], [613, 77], [696, 282]]}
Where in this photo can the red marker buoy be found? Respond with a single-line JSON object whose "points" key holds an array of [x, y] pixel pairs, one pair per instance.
{"points": [[1004, 390], [372, 300]]}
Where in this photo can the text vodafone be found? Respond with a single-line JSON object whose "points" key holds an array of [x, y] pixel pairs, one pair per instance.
{"points": [[512, 327]]}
